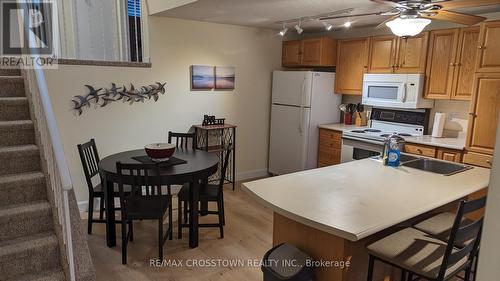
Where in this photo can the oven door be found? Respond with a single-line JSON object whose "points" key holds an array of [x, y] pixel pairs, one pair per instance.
{"points": [[357, 149], [389, 94]]}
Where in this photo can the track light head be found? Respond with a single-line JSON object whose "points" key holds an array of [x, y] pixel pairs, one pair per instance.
{"points": [[298, 28], [283, 31], [327, 26]]}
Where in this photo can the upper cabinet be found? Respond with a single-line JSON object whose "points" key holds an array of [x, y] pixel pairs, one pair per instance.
{"points": [[412, 53], [440, 63], [383, 50], [484, 111], [352, 64], [465, 63], [451, 63], [291, 53], [309, 52], [488, 49], [390, 54]]}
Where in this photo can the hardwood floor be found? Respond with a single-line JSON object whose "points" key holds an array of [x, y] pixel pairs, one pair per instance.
{"points": [[248, 235]]}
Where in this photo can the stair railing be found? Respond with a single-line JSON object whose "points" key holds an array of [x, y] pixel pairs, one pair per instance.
{"points": [[53, 154]]}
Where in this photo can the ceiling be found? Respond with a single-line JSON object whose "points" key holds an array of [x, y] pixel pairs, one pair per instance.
{"points": [[265, 13]]}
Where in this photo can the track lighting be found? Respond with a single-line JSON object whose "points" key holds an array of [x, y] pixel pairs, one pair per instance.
{"points": [[298, 28], [284, 30], [347, 24], [327, 26]]}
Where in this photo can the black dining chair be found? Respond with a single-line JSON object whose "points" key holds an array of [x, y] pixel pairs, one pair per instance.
{"points": [[208, 193], [182, 140], [145, 201], [90, 161], [421, 255]]}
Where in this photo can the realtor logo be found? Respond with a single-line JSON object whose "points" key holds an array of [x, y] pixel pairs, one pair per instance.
{"points": [[27, 33]]}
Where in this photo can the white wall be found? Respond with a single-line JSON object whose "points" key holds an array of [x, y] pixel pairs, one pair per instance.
{"points": [[175, 45], [489, 255]]}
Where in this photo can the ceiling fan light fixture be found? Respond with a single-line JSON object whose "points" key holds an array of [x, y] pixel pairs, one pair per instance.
{"points": [[405, 27]]}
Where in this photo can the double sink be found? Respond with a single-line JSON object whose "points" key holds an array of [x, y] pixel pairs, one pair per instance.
{"points": [[432, 165]]}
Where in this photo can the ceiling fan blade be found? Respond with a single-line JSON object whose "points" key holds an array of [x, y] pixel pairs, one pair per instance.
{"points": [[456, 17], [457, 4], [390, 3], [350, 16], [382, 24]]}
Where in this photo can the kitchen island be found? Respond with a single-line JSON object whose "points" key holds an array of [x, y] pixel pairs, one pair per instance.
{"points": [[332, 212]]}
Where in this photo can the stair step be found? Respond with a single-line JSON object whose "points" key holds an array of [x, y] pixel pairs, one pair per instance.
{"points": [[14, 133], [14, 108], [19, 159], [11, 86], [10, 72], [29, 255], [25, 219], [54, 275], [22, 188]]}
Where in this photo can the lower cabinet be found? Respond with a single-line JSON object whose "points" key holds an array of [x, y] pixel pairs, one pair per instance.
{"points": [[478, 159], [330, 147], [446, 154]]}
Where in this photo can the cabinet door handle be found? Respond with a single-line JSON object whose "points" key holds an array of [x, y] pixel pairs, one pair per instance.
{"points": [[473, 114], [419, 151], [481, 47], [488, 162], [452, 64]]}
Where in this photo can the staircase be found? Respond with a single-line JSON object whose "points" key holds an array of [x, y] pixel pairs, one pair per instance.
{"points": [[29, 247]]}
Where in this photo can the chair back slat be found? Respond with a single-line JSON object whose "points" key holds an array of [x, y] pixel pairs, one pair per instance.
{"points": [[144, 181], [470, 234], [90, 161], [460, 254], [182, 140]]}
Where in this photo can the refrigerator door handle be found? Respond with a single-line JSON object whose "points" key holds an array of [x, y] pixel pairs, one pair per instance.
{"points": [[301, 119]]}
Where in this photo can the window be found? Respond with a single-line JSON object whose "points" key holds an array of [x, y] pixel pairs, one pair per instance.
{"points": [[134, 23]]}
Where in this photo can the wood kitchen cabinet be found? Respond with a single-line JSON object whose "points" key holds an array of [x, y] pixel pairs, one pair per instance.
{"points": [[483, 116], [422, 150], [352, 64], [330, 147], [310, 52], [451, 63], [451, 155], [291, 53], [488, 48], [383, 51], [440, 61], [412, 53], [391, 54], [465, 63], [478, 159]]}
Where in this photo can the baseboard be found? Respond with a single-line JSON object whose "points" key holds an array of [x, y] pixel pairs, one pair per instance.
{"points": [[252, 174], [83, 206]]}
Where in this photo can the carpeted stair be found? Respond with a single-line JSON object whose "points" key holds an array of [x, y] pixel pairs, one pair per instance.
{"points": [[29, 248]]}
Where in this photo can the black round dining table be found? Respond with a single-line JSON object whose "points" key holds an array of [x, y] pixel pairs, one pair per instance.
{"points": [[200, 165]]}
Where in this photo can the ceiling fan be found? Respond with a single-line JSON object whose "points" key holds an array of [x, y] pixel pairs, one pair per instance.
{"points": [[410, 17]]}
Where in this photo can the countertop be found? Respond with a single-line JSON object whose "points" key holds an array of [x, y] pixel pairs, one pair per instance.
{"points": [[452, 143], [357, 199]]}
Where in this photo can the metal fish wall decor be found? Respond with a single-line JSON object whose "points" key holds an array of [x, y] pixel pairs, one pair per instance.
{"points": [[102, 96]]}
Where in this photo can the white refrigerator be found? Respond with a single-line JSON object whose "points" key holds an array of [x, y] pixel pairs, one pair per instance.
{"points": [[301, 100]]}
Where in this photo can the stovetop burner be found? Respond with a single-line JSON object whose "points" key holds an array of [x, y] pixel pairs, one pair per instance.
{"points": [[359, 131], [372, 131]]}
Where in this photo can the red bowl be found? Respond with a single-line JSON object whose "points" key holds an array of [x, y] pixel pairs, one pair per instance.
{"points": [[159, 151]]}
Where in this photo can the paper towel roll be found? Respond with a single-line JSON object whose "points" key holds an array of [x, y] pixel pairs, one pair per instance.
{"points": [[439, 120]]}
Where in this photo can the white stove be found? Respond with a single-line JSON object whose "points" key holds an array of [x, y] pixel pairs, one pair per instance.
{"points": [[362, 143]]}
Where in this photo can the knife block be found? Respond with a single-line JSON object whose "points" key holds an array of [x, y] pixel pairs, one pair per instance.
{"points": [[360, 120]]}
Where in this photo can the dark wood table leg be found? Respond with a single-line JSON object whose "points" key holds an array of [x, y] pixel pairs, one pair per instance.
{"points": [[193, 213], [110, 214], [204, 203]]}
